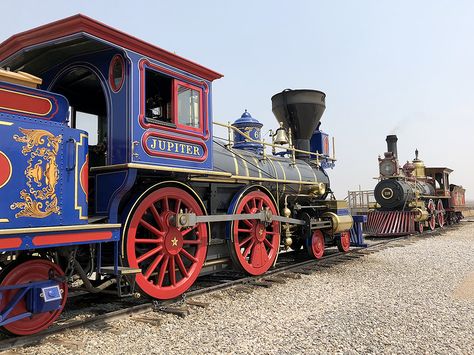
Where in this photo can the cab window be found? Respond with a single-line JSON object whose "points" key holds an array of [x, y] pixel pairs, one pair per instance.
{"points": [[158, 108], [189, 106]]}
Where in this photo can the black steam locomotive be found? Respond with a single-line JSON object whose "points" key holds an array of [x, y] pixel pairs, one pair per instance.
{"points": [[412, 196]]}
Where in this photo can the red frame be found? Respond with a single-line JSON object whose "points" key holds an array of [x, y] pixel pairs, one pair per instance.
{"points": [[116, 58], [203, 132], [52, 239], [176, 84], [15, 100]]}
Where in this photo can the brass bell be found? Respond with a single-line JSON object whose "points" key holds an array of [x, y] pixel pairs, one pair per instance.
{"points": [[281, 137]]}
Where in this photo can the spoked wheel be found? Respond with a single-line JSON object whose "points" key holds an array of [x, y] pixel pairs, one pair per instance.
{"points": [[255, 244], [432, 212], [316, 248], [343, 242], [440, 213], [419, 227], [21, 272], [170, 258]]}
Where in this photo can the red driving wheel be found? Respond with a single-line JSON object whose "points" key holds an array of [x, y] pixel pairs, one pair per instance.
{"points": [[317, 245], [21, 272], [343, 242], [170, 258], [432, 211], [440, 213], [255, 244]]}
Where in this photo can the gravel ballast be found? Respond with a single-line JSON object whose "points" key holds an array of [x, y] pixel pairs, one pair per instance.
{"points": [[413, 299]]}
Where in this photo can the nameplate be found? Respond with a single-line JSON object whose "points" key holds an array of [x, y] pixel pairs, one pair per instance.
{"points": [[168, 147]]}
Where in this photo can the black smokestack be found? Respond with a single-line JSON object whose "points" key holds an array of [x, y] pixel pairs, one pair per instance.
{"points": [[300, 110], [392, 144]]}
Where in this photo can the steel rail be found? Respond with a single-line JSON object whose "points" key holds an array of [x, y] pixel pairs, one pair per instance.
{"points": [[29, 340]]}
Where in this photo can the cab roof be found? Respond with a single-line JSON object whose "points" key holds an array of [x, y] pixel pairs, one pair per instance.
{"points": [[32, 50]]}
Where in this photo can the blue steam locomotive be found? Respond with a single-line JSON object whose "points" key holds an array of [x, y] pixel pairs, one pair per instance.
{"points": [[110, 177]]}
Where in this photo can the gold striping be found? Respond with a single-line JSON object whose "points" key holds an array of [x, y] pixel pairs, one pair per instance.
{"points": [[274, 169], [160, 168], [301, 180], [258, 167], [237, 178], [314, 174], [4, 220], [225, 181], [78, 207], [236, 164], [58, 228], [245, 166], [3, 123], [284, 173]]}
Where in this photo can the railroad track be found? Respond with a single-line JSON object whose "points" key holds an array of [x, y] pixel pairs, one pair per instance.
{"points": [[287, 268]]}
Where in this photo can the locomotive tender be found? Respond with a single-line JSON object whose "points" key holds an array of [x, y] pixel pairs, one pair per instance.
{"points": [[110, 176], [413, 196]]}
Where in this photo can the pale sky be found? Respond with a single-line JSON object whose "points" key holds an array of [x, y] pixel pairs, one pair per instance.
{"points": [[387, 67]]}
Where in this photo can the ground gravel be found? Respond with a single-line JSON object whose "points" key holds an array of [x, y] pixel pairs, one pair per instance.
{"points": [[412, 299]]}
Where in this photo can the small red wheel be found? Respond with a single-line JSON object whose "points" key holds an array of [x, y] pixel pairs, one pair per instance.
{"points": [[171, 258], [255, 244], [420, 227], [21, 272], [432, 211], [317, 245], [343, 242], [440, 213]]}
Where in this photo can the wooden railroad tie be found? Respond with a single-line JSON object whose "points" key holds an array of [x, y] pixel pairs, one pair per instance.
{"points": [[197, 303], [261, 283], [178, 311], [274, 279]]}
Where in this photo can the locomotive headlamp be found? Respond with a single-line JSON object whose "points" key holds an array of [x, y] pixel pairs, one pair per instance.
{"points": [[387, 168]]}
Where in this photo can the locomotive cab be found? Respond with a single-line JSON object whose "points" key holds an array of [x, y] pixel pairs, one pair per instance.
{"points": [[439, 178]]}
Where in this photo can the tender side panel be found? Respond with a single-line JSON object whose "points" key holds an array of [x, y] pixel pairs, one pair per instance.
{"points": [[43, 178]]}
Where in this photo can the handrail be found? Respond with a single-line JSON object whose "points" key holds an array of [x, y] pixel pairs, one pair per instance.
{"points": [[317, 155]]}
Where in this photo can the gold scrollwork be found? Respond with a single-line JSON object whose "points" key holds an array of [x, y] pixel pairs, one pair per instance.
{"points": [[42, 175]]}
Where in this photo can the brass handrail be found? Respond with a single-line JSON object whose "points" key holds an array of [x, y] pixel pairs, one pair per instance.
{"points": [[291, 148]]}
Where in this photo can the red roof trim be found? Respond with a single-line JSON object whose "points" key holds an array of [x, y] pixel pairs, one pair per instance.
{"points": [[80, 23]]}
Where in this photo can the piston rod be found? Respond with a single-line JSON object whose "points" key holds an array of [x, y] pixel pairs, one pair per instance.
{"points": [[191, 219]]}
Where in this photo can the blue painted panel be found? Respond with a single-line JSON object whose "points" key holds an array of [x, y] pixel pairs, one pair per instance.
{"points": [[118, 103], [179, 147], [107, 183], [44, 160], [320, 143]]}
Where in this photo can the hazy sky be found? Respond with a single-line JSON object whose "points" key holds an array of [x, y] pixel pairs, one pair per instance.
{"points": [[387, 67]]}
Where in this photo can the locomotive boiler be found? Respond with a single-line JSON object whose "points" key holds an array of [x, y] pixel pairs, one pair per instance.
{"points": [[412, 196], [111, 177]]}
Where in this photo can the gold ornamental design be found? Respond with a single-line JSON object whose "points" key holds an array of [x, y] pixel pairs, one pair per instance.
{"points": [[39, 200]]}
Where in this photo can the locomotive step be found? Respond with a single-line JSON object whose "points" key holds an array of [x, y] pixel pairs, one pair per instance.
{"points": [[122, 270]]}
